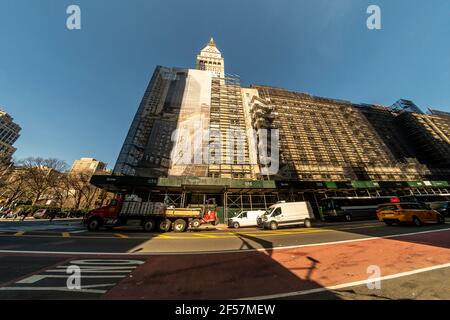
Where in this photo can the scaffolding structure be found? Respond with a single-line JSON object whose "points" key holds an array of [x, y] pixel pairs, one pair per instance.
{"points": [[229, 150]]}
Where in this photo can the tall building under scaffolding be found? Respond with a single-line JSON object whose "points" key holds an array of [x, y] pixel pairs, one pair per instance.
{"points": [[198, 133]]}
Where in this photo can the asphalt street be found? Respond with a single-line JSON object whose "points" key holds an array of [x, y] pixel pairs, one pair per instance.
{"points": [[71, 236], [329, 261]]}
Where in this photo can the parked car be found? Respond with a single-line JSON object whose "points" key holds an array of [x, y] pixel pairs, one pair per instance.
{"points": [[287, 214], [409, 212], [245, 219]]}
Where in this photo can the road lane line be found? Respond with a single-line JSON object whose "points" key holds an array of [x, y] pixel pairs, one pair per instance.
{"points": [[78, 237], [348, 284], [356, 228], [207, 236], [93, 271], [78, 231], [222, 251], [160, 235], [120, 235], [66, 235], [37, 277], [19, 233], [84, 289]]}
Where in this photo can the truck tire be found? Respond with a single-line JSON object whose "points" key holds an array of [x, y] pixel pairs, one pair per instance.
{"points": [[94, 224], [196, 223], [164, 225], [273, 225], [308, 223], [148, 225], [179, 225]]}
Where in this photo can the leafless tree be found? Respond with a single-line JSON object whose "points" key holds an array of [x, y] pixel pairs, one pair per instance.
{"points": [[62, 191], [5, 169], [82, 191], [42, 175]]}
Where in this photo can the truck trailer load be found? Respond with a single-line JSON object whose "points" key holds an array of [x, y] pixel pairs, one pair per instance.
{"points": [[149, 215]]}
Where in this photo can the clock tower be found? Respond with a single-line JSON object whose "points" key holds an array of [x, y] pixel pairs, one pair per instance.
{"points": [[210, 58]]}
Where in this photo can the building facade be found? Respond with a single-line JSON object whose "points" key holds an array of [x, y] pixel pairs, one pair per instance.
{"points": [[88, 165], [202, 123], [190, 123], [9, 133]]}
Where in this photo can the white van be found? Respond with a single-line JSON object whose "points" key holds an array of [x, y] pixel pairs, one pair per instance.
{"points": [[287, 214], [245, 219]]}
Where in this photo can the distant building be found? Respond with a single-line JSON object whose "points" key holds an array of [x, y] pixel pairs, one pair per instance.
{"points": [[9, 133], [89, 165]]}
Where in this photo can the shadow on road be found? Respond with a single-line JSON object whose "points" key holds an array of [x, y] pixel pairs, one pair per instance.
{"points": [[245, 274], [427, 234]]}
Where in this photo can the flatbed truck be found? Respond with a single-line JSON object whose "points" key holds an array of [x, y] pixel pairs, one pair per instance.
{"points": [[150, 216]]}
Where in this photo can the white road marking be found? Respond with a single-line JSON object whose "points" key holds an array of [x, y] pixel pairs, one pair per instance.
{"points": [[349, 284], [38, 277], [97, 266], [219, 252], [93, 271], [84, 289]]}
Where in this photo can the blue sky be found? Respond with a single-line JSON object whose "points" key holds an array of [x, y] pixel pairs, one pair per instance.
{"points": [[75, 92]]}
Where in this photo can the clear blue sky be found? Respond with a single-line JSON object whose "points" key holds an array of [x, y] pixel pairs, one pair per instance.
{"points": [[75, 92]]}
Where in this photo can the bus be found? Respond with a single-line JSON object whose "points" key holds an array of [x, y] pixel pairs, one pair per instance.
{"points": [[353, 208], [435, 201]]}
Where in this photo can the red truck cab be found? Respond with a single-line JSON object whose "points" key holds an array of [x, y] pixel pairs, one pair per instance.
{"points": [[104, 215]]}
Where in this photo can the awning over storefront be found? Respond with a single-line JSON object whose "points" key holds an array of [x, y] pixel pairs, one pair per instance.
{"points": [[205, 184]]}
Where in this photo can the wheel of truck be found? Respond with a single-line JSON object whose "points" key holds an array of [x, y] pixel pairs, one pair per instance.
{"points": [[179, 225], [148, 225], [164, 225], [273, 225], [307, 223], [196, 223], [94, 224]]}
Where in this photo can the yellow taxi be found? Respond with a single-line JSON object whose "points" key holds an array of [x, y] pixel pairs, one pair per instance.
{"points": [[408, 212]]}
